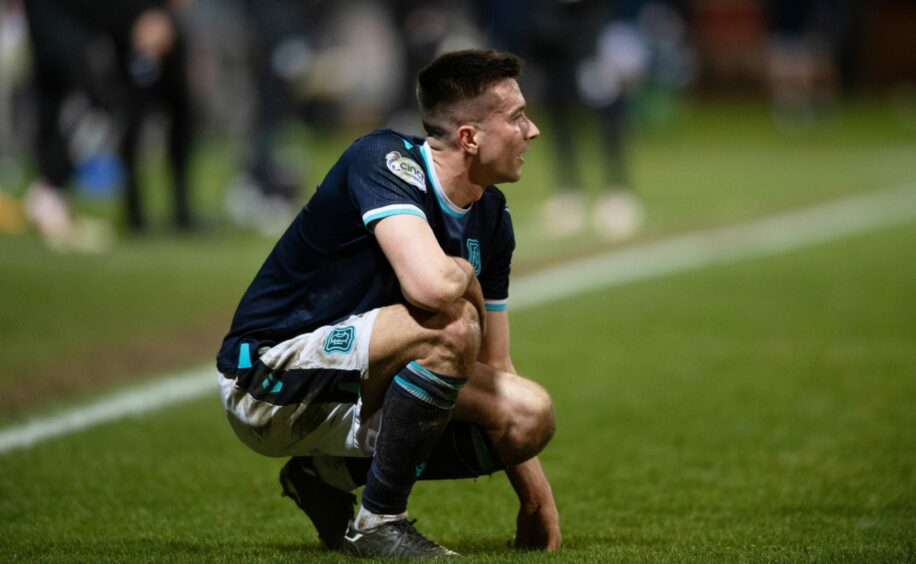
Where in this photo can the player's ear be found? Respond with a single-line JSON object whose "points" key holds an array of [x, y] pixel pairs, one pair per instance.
{"points": [[467, 139]]}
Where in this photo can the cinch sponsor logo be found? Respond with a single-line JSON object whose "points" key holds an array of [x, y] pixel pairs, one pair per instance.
{"points": [[406, 169]]}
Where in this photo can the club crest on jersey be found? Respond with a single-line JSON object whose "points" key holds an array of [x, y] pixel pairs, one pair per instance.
{"points": [[406, 169], [474, 254], [340, 340]]}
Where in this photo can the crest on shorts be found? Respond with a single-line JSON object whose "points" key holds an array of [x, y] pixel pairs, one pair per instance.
{"points": [[340, 340], [474, 254], [406, 169]]}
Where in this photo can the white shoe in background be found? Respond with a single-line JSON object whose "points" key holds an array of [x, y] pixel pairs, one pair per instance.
{"points": [[563, 215], [248, 206], [60, 229], [617, 215]]}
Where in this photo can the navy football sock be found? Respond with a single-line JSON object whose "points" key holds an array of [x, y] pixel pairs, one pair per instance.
{"points": [[416, 409], [464, 451]]}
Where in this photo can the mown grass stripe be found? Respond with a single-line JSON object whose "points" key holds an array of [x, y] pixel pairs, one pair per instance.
{"points": [[777, 234]]}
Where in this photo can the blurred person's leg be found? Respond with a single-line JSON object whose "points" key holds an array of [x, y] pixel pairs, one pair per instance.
{"points": [[613, 137], [791, 65], [803, 54], [424, 26], [617, 214], [133, 115], [181, 130], [607, 82], [564, 211], [177, 98], [58, 47], [274, 22], [60, 66], [54, 163], [265, 195]]}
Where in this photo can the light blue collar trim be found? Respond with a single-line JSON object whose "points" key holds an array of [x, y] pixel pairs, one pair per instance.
{"points": [[444, 203]]}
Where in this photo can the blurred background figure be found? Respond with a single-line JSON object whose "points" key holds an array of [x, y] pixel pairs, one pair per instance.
{"points": [[593, 57], [806, 40], [13, 73], [99, 68], [570, 42], [425, 30], [157, 79], [312, 65], [275, 79], [281, 50], [585, 54]]}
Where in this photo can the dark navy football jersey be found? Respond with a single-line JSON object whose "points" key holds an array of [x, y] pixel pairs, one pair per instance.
{"points": [[328, 265]]}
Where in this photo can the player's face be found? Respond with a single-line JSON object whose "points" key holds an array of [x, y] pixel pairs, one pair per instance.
{"points": [[505, 134]]}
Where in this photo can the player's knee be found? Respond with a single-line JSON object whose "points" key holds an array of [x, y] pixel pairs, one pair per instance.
{"points": [[457, 339], [532, 423], [540, 420], [462, 329]]}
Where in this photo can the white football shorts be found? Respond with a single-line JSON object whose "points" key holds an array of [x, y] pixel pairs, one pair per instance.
{"points": [[301, 396]]}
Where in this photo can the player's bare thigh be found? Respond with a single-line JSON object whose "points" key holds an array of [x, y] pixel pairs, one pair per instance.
{"points": [[400, 334], [446, 342]]}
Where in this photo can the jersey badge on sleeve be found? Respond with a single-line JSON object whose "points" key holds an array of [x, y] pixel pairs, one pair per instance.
{"points": [[406, 169]]}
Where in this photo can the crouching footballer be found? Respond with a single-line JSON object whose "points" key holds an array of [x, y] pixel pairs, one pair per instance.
{"points": [[372, 347]]}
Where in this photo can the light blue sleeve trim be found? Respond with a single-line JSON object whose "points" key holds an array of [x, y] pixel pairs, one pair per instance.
{"points": [[375, 216], [496, 307]]}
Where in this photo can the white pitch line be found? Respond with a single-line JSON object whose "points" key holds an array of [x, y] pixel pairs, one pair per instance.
{"points": [[769, 236], [135, 401]]}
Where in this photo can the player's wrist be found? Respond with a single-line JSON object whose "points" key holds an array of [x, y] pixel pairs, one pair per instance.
{"points": [[465, 267]]}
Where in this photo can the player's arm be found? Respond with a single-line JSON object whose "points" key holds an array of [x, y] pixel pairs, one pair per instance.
{"points": [[429, 278], [538, 521], [494, 350], [537, 524]]}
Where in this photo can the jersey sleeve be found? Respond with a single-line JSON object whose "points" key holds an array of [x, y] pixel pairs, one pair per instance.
{"points": [[385, 179], [494, 277]]}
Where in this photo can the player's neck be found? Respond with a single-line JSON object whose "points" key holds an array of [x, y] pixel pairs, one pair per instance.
{"points": [[454, 176]]}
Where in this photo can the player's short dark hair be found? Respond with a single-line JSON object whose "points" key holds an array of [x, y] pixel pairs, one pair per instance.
{"points": [[456, 77]]}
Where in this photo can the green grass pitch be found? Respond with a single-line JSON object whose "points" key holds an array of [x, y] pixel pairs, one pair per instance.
{"points": [[757, 411]]}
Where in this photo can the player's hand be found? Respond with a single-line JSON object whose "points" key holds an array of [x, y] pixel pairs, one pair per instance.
{"points": [[474, 293], [538, 528]]}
